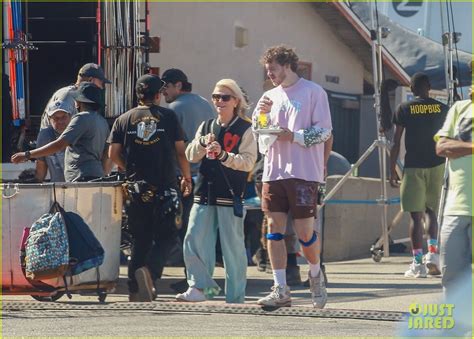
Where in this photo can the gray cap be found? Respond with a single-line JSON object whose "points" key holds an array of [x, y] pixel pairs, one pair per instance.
{"points": [[61, 101], [67, 105]]}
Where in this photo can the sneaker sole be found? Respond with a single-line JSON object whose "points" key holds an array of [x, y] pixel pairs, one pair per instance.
{"points": [[189, 301], [433, 269], [145, 286], [179, 298], [319, 307], [285, 304], [415, 276]]}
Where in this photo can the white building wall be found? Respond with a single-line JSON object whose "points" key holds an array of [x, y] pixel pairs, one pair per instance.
{"points": [[199, 39]]}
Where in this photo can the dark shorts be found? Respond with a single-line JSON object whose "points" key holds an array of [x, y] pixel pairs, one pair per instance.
{"points": [[290, 195]]}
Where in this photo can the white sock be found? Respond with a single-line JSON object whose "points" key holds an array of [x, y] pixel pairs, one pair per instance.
{"points": [[279, 277], [314, 269]]}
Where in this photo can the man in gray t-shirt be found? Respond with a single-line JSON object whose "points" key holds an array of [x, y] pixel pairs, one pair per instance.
{"points": [[59, 113], [90, 72], [191, 109], [85, 138]]}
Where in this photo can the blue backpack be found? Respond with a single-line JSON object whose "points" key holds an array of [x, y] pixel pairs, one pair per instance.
{"points": [[85, 251], [59, 243]]}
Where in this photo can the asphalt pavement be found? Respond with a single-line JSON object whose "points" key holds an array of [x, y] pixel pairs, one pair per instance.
{"points": [[365, 298]]}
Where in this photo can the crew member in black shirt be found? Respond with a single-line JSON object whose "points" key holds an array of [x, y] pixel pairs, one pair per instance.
{"points": [[146, 142], [423, 172]]}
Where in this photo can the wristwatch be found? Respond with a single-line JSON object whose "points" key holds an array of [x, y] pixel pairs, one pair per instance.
{"points": [[27, 155]]}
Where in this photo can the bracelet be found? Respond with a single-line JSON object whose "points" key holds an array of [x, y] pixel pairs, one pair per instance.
{"points": [[202, 141], [223, 155], [27, 155]]}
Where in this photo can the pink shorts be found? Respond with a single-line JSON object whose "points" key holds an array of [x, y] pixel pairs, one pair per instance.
{"points": [[290, 195]]}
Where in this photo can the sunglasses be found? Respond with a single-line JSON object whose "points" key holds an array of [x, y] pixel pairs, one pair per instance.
{"points": [[224, 97], [164, 86]]}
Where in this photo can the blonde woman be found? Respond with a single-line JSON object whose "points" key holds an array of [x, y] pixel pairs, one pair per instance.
{"points": [[228, 151]]}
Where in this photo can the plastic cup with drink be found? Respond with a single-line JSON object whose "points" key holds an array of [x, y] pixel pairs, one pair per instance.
{"points": [[263, 120]]}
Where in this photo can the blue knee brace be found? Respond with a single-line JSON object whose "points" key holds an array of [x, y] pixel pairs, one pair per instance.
{"points": [[310, 241], [274, 236]]}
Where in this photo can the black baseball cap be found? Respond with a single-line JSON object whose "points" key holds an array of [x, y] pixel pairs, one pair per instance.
{"points": [[173, 75], [149, 84], [87, 92], [94, 71]]}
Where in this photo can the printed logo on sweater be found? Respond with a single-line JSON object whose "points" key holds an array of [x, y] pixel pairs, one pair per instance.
{"points": [[290, 108], [230, 140]]}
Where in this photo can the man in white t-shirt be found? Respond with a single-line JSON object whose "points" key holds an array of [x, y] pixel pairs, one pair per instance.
{"points": [[294, 165]]}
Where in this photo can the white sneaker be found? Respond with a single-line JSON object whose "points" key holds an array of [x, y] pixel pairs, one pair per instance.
{"points": [[416, 271], [279, 297], [432, 263], [317, 286], [191, 295]]}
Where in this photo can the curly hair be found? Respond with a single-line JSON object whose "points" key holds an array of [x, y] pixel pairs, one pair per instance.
{"points": [[281, 54]]}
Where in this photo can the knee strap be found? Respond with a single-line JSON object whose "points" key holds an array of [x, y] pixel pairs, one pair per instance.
{"points": [[310, 241], [274, 236]]}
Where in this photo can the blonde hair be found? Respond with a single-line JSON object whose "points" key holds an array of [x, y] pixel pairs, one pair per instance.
{"points": [[243, 105]]}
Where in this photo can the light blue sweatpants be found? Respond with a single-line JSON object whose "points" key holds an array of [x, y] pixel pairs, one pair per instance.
{"points": [[455, 250], [200, 251]]}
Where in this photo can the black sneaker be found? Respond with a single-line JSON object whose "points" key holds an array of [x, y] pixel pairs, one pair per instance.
{"points": [[133, 297], [260, 259], [268, 267], [293, 276]]}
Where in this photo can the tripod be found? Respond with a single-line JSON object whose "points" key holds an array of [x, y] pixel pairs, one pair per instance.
{"points": [[449, 39], [381, 144]]}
